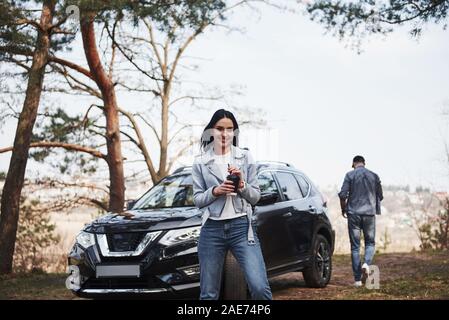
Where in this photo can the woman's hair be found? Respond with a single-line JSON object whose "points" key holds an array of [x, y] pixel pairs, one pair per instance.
{"points": [[207, 137]]}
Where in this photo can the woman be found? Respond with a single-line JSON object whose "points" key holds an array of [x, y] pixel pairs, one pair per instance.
{"points": [[227, 215]]}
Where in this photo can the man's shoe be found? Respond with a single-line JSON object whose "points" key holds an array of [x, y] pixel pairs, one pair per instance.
{"points": [[358, 284], [365, 272]]}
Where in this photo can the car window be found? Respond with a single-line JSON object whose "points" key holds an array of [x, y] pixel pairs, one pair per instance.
{"points": [[313, 192], [303, 184], [289, 186], [267, 183], [173, 191]]}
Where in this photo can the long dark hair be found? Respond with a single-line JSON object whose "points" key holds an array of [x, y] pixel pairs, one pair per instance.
{"points": [[207, 138]]}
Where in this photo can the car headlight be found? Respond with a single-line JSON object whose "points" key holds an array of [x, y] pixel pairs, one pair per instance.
{"points": [[180, 235], [85, 239]]}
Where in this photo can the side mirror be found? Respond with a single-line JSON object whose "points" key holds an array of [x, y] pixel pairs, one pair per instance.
{"points": [[130, 204], [268, 198]]}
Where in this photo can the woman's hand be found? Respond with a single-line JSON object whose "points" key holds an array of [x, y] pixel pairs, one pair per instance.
{"points": [[237, 172], [226, 187], [126, 214]]}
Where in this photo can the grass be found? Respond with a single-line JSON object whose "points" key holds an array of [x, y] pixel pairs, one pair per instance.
{"points": [[34, 286], [409, 276]]}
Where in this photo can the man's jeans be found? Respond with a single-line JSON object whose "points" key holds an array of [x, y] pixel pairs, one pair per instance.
{"points": [[216, 237], [356, 224]]}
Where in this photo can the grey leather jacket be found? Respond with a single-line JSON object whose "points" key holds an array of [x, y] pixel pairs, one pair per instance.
{"points": [[206, 175]]}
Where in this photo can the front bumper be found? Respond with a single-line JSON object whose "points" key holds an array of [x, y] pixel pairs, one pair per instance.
{"points": [[190, 291], [174, 276]]}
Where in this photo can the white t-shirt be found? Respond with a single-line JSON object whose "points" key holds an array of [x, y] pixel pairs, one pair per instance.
{"points": [[228, 212]]}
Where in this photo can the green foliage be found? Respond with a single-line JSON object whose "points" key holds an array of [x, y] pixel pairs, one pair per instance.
{"points": [[59, 126], [34, 234], [364, 17], [15, 38], [421, 189], [19, 39], [2, 176], [183, 13]]}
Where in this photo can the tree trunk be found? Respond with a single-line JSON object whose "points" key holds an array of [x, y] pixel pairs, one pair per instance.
{"points": [[10, 202], [106, 86], [164, 137]]}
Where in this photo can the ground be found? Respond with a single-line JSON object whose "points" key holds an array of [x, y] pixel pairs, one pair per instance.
{"points": [[402, 276]]}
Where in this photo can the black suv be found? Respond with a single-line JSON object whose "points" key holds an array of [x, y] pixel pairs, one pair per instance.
{"points": [[155, 252]]}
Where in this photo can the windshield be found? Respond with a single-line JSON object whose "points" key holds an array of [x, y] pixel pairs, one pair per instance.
{"points": [[172, 191]]}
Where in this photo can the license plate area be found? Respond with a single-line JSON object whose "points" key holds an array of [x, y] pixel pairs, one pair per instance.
{"points": [[118, 270]]}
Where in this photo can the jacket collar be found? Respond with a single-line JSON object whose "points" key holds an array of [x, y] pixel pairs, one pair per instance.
{"points": [[207, 157]]}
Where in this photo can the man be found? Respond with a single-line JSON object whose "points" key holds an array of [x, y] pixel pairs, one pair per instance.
{"points": [[360, 198]]}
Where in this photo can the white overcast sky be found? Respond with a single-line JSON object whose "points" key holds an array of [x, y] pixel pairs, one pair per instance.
{"points": [[325, 103]]}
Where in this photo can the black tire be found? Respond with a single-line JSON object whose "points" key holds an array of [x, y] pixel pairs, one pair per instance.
{"points": [[234, 283], [318, 274]]}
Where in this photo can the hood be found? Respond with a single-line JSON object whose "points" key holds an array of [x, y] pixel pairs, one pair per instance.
{"points": [[147, 220]]}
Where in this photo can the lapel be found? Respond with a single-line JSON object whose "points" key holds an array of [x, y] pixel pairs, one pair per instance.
{"points": [[236, 154]]}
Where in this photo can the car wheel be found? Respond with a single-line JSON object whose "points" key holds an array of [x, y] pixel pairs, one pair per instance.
{"points": [[318, 274], [234, 283]]}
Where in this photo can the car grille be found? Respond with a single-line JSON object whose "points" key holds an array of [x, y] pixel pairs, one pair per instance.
{"points": [[121, 242]]}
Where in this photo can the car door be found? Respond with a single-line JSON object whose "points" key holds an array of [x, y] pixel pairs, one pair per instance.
{"points": [[307, 209], [271, 228], [298, 222]]}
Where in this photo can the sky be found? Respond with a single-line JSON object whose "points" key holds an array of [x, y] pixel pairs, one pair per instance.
{"points": [[324, 103]]}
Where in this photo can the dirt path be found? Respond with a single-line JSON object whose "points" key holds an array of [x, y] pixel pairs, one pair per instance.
{"points": [[402, 276]]}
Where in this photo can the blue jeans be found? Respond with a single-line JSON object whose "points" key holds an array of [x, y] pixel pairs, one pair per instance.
{"points": [[216, 237], [357, 224]]}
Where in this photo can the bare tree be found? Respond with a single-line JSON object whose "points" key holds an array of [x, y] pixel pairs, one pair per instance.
{"points": [[157, 55], [423, 206]]}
